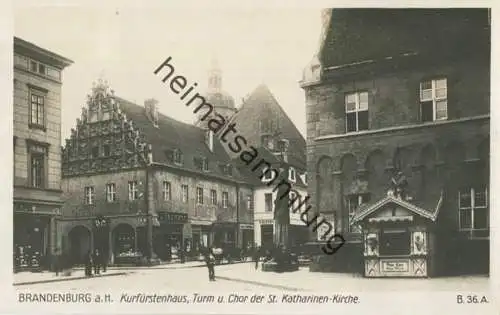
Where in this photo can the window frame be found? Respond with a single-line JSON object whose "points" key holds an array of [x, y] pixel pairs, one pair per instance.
{"points": [[167, 190], [357, 110], [268, 206], [292, 171], [213, 197], [204, 165], [472, 208], [178, 157], [184, 193], [36, 149], [199, 195], [89, 195], [225, 199], [433, 98], [39, 94], [249, 202], [111, 192], [133, 190]]}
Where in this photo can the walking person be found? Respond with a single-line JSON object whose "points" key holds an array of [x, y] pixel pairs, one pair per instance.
{"points": [[97, 262], [210, 261], [88, 263], [256, 256]]}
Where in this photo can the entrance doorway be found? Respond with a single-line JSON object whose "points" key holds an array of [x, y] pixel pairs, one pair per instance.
{"points": [[79, 238]]}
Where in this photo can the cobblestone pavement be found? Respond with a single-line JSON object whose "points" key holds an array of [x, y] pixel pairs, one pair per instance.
{"points": [[243, 277]]}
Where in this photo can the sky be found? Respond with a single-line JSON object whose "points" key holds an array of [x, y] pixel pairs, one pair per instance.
{"points": [[125, 44]]}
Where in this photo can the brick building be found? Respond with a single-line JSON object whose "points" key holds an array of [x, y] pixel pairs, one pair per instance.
{"points": [[135, 180], [37, 152], [408, 91]]}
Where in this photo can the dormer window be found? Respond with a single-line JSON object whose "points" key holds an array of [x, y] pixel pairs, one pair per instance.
{"points": [[292, 175], [268, 175], [267, 141], [204, 164], [282, 146], [178, 157], [229, 170]]}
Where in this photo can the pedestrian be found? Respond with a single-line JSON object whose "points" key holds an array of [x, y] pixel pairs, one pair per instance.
{"points": [[97, 262], [104, 261], [210, 261], [256, 256], [56, 262], [88, 263]]}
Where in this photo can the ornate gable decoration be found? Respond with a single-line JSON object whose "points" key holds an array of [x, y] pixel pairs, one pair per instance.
{"points": [[104, 139]]}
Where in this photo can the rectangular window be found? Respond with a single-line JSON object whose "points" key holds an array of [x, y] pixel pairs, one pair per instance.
{"points": [[268, 199], [132, 191], [395, 242], [199, 195], [353, 202], [291, 175], [41, 69], [37, 170], [473, 211], [213, 196], [178, 157], [184, 193], [54, 73], [89, 195], [21, 61], [433, 100], [225, 199], [249, 203], [33, 66], [167, 191], [106, 149], [95, 152], [205, 165], [37, 110], [356, 110], [111, 192]]}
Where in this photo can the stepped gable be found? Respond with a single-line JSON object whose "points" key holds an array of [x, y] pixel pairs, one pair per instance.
{"points": [[172, 134]]}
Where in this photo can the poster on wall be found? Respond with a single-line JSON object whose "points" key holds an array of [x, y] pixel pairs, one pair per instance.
{"points": [[326, 229], [371, 244]]}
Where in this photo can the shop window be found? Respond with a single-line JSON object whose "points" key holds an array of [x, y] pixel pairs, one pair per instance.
{"points": [[184, 193], [89, 195], [213, 197], [395, 242], [356, 110], [199, 195], [268, 199], [433, 100], [111, 192], [133, 193], [225, 199], [167, 191], [473, 211], [353, 202]]}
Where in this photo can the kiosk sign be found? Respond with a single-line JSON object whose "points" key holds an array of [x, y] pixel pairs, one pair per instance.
{"points": [[395, 266]]}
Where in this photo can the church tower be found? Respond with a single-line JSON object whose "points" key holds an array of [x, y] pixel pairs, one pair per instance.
{"points": [[222, 101]]}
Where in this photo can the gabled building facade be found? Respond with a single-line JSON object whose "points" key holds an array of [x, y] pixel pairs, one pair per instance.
{"points": [[267, 127], [135, 180], [37, 152], [403, 106]]}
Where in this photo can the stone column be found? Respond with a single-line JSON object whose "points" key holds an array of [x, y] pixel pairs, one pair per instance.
{"points": [[111, 257]]}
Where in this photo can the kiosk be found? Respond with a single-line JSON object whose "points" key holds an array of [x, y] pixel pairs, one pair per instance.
{"points": [[398, 238]]}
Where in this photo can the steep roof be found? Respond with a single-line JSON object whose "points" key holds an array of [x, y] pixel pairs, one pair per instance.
{"points": [[172, 134], [356, 35], [255, 108]]}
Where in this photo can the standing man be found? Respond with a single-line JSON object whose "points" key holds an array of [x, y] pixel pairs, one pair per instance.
{"points": [[57, 261], [97, 259], [210, 261], [256, 256]]}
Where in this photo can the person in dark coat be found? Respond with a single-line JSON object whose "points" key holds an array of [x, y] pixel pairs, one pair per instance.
{"points": [[256, 256], [88, 263], [57, 261], [210, 262], [97, 261]]}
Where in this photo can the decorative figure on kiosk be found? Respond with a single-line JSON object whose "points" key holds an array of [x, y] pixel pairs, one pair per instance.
{"points": [[399, 186], [419, 243], [371, 244]]}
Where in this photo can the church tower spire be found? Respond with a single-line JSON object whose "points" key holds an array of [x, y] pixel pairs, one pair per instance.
{"points": [[214, 78]]}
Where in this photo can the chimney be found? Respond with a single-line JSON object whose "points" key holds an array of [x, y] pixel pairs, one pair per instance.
{"points": [[209, 139], [151, 108]]}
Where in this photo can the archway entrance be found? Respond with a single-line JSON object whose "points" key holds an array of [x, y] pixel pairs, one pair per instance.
{"points": [[123, 239], [79, 238]]}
